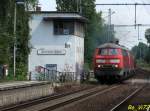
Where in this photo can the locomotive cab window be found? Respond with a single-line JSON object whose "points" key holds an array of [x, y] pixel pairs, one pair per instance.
{"points": [[113, 52], [124, 53], [103, 52], [108, 51]]}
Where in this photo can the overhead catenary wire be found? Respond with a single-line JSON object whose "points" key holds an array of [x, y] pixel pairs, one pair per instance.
{"points": [[143, 25], [134, 4], [123, 4], [129, 24], [145, 8]]}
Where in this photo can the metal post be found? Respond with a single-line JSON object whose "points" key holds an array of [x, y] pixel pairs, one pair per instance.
{"points": [[140, 50], [77, 5], [21, 2], [109, 16], [80, 2], [133, 4], [15, 13], [135, 14], [109, 24], [138, 31]]}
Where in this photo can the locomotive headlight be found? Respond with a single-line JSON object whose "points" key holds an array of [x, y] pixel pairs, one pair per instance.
{"points": [[99, 66], [116, 66], [100, 61], [114, 60]]}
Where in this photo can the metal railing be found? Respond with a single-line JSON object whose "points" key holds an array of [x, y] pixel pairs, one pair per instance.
{"points": [[44, 74]]}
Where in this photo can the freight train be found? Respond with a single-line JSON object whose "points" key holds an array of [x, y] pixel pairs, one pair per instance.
{"points": [[113, 61]]}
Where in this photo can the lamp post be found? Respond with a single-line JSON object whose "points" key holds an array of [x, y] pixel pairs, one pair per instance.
{"points": [[19, 2]]}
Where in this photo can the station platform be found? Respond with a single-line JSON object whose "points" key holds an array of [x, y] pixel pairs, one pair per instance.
{"points": [[19, 91], [20, 84]]}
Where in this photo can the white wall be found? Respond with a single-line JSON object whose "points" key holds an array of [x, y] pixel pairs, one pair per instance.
{"points": [[79, 53], [42, 37]]}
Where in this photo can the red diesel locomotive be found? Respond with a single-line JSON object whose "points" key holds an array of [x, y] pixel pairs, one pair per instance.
{"points": [[113, 61]]}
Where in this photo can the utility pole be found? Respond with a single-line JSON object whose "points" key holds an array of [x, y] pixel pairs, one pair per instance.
{"points": [[109, 11], [135, 15], [80, 4], [131, 4], [140, 50], [109, 25], [17, 2], [14, 53], [138, 26]]}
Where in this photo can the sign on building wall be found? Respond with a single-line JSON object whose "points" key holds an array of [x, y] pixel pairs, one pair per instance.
{"points": [[51, 52]]}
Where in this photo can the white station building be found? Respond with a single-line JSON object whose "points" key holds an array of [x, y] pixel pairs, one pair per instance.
{"points": [[57, 41]]}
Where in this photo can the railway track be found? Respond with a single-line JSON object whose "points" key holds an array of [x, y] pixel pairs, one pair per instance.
{"points": [[79, 98], [57, 102], [106, 101], [18, 106], [51, 103], [123, 105]]}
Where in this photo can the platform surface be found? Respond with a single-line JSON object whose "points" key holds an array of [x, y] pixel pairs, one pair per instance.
{"points": [[20, 84], [20, 91]]}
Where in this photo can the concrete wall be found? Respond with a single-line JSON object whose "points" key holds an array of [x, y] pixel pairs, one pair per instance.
{"points": [[14, 96]]}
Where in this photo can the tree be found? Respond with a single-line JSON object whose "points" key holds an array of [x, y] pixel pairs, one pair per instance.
{"points": [[7, 36], [6, 33], [141, 52], [66, 5], [147, 35], [5, 41]]}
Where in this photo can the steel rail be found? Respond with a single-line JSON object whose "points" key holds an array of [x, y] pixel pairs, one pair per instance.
{"points": [[72, 100], [121, 104]]}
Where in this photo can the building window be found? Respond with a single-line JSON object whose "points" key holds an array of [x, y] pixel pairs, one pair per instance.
{"points": [[79, 30], [63, 28]]}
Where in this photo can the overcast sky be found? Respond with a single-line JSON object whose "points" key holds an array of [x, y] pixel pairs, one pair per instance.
{"points": [[128, 36]]}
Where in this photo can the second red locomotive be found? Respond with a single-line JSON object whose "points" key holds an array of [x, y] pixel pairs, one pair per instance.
{"points": [[113, 61]]}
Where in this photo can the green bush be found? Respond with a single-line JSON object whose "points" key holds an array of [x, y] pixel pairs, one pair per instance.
{"points": [[21, 72]]}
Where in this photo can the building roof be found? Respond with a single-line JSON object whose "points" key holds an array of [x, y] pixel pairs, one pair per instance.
{"points": [[55, 15], [41, 12], [112, 45]]}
